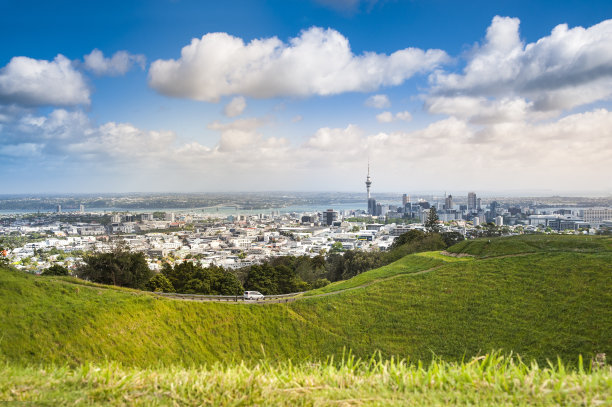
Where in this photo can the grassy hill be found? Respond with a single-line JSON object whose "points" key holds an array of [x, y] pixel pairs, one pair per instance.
{"points": [[547, 296]]}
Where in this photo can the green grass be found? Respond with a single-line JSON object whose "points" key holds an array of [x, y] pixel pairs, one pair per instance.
{"points": [[439, 256], [489, 247], [542, 305], [410, 264], [489, 380]]}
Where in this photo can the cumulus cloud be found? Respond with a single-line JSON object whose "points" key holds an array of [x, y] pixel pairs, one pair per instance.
{"points": [[405, 116], [318, 62], [378, 101], [118, 64], [568, 68], [242, 135], [385, 117], [235, 107], [33, 82], [388, 117]]}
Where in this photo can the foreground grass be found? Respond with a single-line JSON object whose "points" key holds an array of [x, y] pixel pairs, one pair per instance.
{"points": [[487, 380]]}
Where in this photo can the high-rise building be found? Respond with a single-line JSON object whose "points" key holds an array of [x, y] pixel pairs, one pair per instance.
{"points": [[472, 201], [405, 199], [478, 204], [448, 202], [499, 221], [372, 206], [59, 208], [82, 208]]}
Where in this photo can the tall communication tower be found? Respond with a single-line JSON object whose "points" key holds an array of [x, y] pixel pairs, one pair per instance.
{"points": [[368, 181]]}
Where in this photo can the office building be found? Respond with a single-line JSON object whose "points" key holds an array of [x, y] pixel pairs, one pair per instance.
{"points": [[329, 217], [472, 202], [448, 202]]}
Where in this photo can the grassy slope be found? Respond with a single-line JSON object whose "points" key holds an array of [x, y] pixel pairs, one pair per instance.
{"points": [[489, 247], [540, 305], [406, 265]]}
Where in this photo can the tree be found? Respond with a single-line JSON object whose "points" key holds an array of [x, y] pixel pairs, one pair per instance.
{"points": [[119, 267], [55, 270], [261, 278], [451, 238], [408, 237], [160, 284], [431, 223], [193, 279]]}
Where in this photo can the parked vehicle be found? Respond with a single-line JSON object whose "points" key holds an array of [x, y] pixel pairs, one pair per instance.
{"points": [[253, 295]]}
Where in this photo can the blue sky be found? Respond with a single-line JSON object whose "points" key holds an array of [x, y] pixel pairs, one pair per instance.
{"points": [[115, 96]]}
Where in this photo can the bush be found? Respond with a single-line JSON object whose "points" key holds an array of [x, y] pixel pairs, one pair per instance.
{"points": [[189, 278], [120, 268], [56, 270], [160, 284]]}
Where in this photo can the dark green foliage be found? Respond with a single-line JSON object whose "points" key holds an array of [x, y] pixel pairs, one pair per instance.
{"points": [[262, 278], [408, 237], [56, 270], [190, 278], [431, 223], [322, 282], [120, 267], [451, 238], [159, 283], [278, 276]]}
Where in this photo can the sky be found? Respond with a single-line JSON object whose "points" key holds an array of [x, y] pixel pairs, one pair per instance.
{"points": [[299, 95]]}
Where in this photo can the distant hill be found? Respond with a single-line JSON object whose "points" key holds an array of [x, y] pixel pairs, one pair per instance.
{"points": [[539, 296]]}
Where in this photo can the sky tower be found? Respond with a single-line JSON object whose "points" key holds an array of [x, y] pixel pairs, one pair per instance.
{"points": [[368, 181]]}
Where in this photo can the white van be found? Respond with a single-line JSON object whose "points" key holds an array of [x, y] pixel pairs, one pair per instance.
{"points": [[253, 295]]}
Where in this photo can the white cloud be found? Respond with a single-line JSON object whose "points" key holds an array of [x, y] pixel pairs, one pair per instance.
{"points": [[296, 119], [32, 82], [335, 140], [384, 117], [568, 68], [318, 62], [388, 117], [405, 116], [378, 101], [235, 107], [117, 65]]}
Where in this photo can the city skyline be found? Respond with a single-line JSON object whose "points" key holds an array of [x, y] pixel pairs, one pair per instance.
{"points": [[299, 96]]}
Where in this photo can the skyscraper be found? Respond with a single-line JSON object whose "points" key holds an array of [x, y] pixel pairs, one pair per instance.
{"points": [[472, 201], [368, 181], [405, 199], [448, 202]]}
